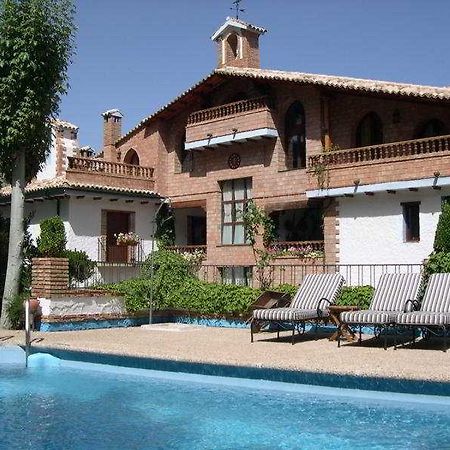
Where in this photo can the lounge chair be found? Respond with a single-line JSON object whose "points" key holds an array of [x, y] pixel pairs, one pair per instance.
{"points": [[309, 305], [394, 294], [434, 313]]}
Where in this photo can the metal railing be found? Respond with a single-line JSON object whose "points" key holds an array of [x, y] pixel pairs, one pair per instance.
{"points": [[383, 151], [228, 109], [98, 165], [354, 274], [113, 253]]}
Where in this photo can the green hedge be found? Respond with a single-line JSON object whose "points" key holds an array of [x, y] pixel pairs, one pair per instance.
{"points": [[200, 297]]}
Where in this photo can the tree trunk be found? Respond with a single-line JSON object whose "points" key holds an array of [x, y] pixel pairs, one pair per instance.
{"points": [[16, 235]]}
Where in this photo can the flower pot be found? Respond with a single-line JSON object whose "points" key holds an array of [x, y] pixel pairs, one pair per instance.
{"points": [[34, 305]]}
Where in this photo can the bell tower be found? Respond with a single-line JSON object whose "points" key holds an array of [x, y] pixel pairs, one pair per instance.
{"points": [[238, 44]]}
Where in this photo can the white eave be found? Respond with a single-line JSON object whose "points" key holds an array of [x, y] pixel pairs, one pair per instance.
{"points": [[233, 23], [228, 139], [434, 183]]}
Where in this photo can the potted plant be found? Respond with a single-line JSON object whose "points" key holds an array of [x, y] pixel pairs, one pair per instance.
{"points": [[130, 238]]}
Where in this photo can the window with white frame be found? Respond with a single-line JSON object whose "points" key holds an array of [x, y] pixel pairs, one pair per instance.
{"points": [[235, 194]]}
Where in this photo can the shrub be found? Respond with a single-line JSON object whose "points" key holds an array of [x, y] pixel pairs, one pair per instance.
{"points": [[442, 236], [52, 240], [81, 268], [356, 295], [170, 271], [286, 289], [212, 298], [192, 295], [437, 263], [15, 310]]}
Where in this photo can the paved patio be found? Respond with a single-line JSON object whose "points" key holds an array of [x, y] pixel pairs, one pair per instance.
{"points": [[233, 347]]}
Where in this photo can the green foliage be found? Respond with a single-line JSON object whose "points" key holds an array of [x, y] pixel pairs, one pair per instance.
{"points": [[170, 270], [165, 227], [36, 44], [52, 240], [136, 293], [192, 295], [442, 236], [356, 295], [15, 310], [259, 224], [211, 298], [438, 262], [81, 267], [286, 289]]}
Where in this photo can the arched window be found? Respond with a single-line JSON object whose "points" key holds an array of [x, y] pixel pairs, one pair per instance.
{"points": [[233, 43], [296, 135], [131, 158], [369, 131], [433, 127]]}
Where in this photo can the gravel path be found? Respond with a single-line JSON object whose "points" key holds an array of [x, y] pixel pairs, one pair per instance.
{"points": [[233, 347]]}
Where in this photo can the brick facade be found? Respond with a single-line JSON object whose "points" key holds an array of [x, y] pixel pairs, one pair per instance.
{"points": [[50, 277]]}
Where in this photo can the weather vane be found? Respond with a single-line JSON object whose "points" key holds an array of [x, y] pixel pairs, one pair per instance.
{"points": [[237, 7]]}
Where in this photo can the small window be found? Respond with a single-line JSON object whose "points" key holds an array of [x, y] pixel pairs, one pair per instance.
{"points": [[131, 158], [237, 275], [411, 212], [369, 131]]}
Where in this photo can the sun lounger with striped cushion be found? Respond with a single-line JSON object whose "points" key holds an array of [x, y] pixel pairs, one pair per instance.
{"points": [[395, 293], [434, 314], [309, 305]]}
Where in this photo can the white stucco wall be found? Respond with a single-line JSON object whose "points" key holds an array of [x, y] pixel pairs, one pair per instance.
{"points": [[84, 225], [82, 220], [48, 171], [371, 228]]}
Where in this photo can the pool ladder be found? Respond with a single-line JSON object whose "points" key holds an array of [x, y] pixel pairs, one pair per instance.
{"points": [[27, 331]]}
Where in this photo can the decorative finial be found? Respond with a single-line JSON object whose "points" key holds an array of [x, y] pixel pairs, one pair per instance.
{"points": [[237, 7]]}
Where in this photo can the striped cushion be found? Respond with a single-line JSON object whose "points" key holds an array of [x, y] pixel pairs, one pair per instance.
{"points": [[423, 318], [315, 287], [437, 294], [285, 314], [394, 290], [368, 316]]}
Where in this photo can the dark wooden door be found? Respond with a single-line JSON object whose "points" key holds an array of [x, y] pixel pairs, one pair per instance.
{"points": [[196, 230], [116, 222]]}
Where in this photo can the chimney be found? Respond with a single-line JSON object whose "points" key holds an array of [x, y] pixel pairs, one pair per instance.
{"points": [[112, 130], [238, 44]]}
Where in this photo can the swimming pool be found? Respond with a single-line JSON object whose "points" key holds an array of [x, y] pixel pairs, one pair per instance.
{"points": [[77, 405]]}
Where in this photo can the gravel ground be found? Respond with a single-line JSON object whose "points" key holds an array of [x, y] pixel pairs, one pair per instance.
{"points": [[233, 347]]}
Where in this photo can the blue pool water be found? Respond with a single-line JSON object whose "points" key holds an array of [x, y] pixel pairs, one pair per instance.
{"points": [[85, 406]]}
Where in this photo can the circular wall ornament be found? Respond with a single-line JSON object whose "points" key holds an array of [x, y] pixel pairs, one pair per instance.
{"points": [[234, 161]]}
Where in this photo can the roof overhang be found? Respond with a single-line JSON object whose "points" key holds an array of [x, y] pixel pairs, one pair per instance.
{"points": [[391, 187], [229, 139]]}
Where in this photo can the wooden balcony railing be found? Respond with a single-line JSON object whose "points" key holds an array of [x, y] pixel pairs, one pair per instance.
{"points": [[383, 151], [229, 109], [100, 166], [187, 248]]}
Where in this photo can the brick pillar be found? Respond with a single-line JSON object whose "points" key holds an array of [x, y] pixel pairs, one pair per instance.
{"points": [[49, 277]]}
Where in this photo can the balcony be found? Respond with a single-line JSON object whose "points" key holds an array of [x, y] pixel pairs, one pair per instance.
{"points": [[384, 167], [241, 121], [95, 170], [119, 254], [427, 146]]}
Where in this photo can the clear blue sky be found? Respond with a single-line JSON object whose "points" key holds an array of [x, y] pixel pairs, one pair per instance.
{"points": [[136, 55]]}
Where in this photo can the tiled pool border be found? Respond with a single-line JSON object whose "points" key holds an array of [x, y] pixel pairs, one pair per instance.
{"points": [[345, 381]]}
